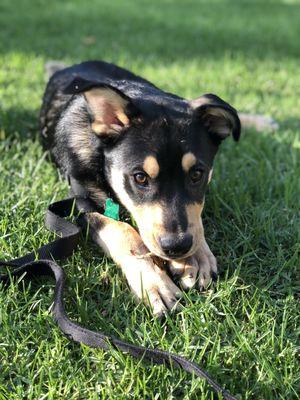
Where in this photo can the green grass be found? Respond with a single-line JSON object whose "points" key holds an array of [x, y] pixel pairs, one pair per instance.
{"points": [[246, 333]]}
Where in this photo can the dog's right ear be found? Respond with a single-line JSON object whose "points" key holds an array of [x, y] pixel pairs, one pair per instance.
{"points": [[109, 108]]}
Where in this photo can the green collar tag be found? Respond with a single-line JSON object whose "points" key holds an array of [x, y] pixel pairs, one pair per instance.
{"points": [[112, 209]]}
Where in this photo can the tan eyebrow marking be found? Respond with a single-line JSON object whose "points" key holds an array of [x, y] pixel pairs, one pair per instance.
{"points": [[151, 166], [188, 160]]}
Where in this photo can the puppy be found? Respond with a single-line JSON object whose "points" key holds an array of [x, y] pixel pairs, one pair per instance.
{"points": [[122, 138]]}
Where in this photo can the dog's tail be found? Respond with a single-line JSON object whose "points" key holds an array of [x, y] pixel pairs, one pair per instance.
{"points": [[53, 66], [258, 122]]}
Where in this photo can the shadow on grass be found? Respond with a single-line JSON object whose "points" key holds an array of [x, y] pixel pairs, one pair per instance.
{"points": [[137, 30], [17, 123]]}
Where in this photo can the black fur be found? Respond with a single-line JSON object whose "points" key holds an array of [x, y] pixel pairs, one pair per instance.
{"points": [[161, 123]]}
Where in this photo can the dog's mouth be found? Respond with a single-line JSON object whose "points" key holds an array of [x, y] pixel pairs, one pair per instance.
{"points": [[161, 259], [174, 256]]}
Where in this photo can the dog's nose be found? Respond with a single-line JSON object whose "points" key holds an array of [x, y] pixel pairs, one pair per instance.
{"points": [[174, 245]]}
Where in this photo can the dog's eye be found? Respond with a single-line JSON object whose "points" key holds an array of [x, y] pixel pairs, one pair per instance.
{"points": [[196, 175], [141, 179]]}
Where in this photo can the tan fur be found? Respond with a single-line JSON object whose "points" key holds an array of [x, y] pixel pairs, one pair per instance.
{"points": [[151, 166], [149, 218], [106, 105], [193, 212], [195, 227], [210, 175], [188, 160], [219, 120], [200, 101], [146, 279], [81, 147], [150, 222], [126, 241], [200, 266], [99, 128]]}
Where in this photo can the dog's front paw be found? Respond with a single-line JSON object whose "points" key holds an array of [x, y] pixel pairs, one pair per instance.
{"points": [[200, 268], [152, 285]]}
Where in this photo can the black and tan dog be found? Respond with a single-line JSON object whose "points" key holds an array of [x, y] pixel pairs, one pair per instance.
{"points": [[120, 136]]}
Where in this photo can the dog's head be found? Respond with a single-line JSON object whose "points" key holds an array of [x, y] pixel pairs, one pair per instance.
{"points": [[159, 166]]}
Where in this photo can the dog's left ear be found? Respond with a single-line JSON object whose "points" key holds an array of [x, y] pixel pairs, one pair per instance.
{"points": [[219, 117], [109, 108]]}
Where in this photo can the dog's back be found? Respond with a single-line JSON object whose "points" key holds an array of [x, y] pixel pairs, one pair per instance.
{"points": [[146, 96]]}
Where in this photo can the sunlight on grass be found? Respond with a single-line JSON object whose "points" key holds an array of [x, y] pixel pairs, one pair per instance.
{"points": [[245, 332]]}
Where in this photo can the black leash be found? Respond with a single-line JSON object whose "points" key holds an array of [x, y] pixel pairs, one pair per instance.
{"points": [[62, 248]]}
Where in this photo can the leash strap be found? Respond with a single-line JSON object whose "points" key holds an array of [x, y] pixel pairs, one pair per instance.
{"points": [[42, 262]]}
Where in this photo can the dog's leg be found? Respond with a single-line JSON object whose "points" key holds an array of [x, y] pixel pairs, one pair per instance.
{"points": [[124, 245], [201, 266]]}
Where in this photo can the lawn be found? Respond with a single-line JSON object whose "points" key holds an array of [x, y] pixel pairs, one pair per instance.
{"points": [[246, 332]]}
